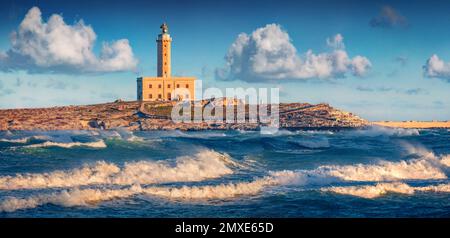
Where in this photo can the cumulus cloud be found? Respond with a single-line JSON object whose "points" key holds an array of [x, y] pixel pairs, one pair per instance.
{"points": [[268, 54], [388, 18], [437, 68], [54, 46]]}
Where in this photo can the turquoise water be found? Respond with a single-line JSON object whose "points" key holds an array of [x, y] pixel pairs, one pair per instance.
{"points": [[376, 172]]}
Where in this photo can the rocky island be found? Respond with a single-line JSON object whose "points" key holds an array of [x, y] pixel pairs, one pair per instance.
{"points": [[156, 115]]}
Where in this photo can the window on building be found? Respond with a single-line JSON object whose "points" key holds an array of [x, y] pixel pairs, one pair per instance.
{"points": [[168, 85], [150, 96], [187, 85], [159, 85], [178, 86], [159, 96], [149, 86], [169, 97]]}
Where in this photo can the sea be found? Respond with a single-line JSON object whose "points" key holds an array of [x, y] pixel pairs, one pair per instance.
{"points": [[372, 172]]}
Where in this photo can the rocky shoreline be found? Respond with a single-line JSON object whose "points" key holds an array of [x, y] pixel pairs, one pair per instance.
{"points": [[137, 116]]}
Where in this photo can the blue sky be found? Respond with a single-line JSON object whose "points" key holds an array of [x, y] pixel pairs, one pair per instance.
{"points": [[396, 37]]}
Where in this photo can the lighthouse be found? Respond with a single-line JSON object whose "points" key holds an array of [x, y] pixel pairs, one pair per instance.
{"points": [[165, 87], [163, 43]]}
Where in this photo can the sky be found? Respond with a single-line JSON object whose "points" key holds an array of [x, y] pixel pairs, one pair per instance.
{"points": [[382, 60]]}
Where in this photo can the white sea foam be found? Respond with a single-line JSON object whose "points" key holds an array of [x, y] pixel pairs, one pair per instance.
{"points": [[88, 197], [19, 140], [380, 189], [445, 160], [128, 135], [242, 131], [24, 139], [374, 131], [274, 131], [435, 188], [223, 191], [83, 132], [372, 191], [207, 134], [95, 144], [209, 164], [109, 134], [315, 132], [383, 171], [68, 198], [206, 164], [426, 166]]}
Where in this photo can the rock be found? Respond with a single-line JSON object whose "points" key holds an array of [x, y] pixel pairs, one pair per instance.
{"points": [[136, 115], [97, 124]]}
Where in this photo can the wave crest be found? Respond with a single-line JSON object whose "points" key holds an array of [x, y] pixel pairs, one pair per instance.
{"points": [[75, 197], [25, 139], [87, 197], [380, 189], [426, 166], [372, 191], [95, 144], [206, 164], [375, 131], [383, 171]]}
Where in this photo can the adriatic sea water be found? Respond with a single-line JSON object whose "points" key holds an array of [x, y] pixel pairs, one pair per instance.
{"points": [[375, 172]]}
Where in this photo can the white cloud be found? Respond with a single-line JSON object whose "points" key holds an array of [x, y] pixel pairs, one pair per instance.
{"points": [[336, 42], [437, 68], [54, 46], [268, 54]]}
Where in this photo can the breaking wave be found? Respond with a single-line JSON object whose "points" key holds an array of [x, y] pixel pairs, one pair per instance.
{"points": [[127, 135], [383, 171], [143, 177], [372, 191], [95, 144], [75, 197], [380, 189], [426, 166], [88, 197], [25, 139], [206, 164], [374, 131], [230, 190], [274, 131]]}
